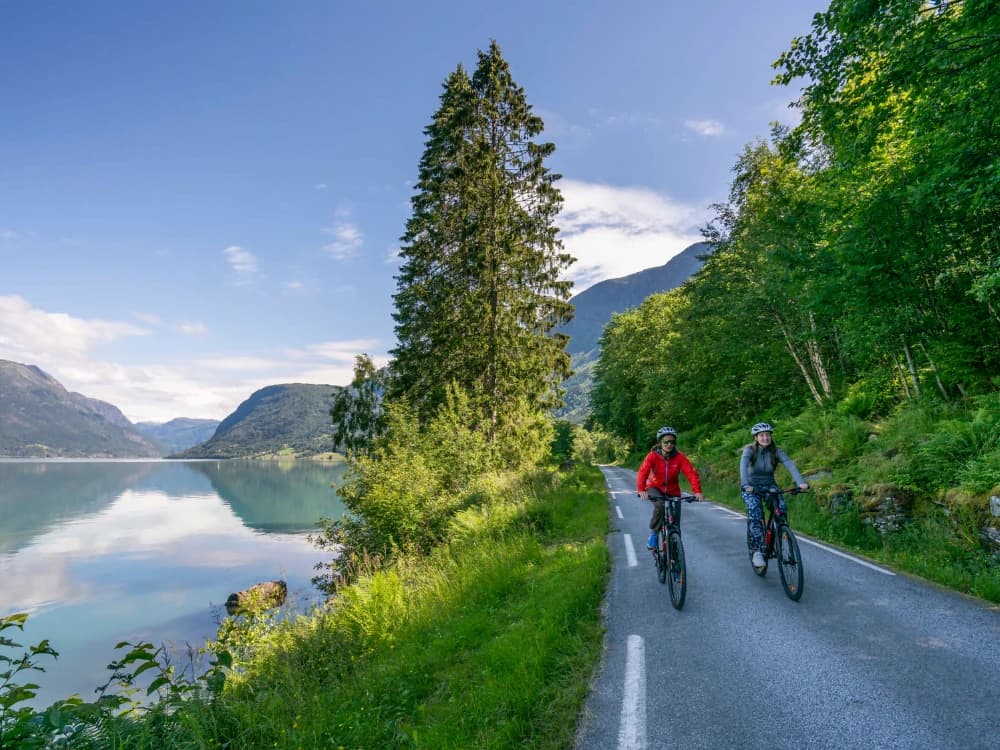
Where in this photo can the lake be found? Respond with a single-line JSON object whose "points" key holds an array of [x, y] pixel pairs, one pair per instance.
{"points": [[99, 552]]}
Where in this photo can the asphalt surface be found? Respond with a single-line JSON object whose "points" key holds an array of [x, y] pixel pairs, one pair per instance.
{"points": [[866, 659]]}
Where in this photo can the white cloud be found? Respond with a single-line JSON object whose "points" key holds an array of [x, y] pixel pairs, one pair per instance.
{"points": [[339, 351], [147, 318], [392, 255], [320, 186], [294, 286], [30, 334], [210, 386], [7, 234], [347, 240], [242, 262], [192, 329], [705, 127], [615, 231]]}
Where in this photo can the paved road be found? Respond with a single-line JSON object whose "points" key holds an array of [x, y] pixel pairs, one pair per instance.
{"points": [[866, 659]]}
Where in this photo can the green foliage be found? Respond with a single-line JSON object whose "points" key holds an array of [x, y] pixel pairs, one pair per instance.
{"points": [[480, 289], [357, 413], [562, 442], [18, 723], [856, 254], [598, 447]]}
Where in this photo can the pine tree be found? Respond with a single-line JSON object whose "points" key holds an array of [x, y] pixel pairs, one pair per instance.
{"points": [[479, 292]]}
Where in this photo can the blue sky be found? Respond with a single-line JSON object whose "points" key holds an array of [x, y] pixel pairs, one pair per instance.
{"points": [[200, 199]]}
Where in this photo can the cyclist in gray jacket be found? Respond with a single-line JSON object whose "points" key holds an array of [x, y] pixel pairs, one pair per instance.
{"points": [[757, 464]]}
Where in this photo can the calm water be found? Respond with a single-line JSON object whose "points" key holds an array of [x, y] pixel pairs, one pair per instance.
{"points": [[99, 552]]}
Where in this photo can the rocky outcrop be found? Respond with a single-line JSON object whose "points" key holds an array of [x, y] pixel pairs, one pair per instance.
{"points": [[257, 598], [886, 507]]}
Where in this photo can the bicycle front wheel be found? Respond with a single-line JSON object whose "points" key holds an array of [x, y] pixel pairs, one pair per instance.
{"points": [[660, 554], [676, 570], [790, 563]]}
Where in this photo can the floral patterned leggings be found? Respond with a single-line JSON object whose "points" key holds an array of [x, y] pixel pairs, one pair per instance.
{"points": [[755, 517]]}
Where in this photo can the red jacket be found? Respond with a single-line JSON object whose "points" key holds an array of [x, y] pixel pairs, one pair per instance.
{"points": [[661, 472]]}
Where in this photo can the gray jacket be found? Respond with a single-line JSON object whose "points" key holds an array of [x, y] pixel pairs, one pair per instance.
{"points": [[761, 472]]}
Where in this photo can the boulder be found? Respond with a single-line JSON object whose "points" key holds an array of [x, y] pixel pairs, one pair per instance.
{"points": [[264, 595], [886, 507], [839, 498]]}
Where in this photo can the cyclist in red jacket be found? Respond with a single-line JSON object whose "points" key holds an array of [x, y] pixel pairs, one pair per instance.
{"points": [[657, 477]]}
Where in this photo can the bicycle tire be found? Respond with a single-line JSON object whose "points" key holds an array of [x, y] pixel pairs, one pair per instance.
{"points": [[660, 554], [677, 573], [790, 563], [759, 571]]}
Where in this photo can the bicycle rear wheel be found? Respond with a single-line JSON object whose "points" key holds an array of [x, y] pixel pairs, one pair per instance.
{"points": [[677, 570], [660, 555], [790, 563]]}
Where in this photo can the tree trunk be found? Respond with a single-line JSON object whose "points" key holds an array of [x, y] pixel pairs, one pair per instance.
{"points": [[902, 376], [934, 369], [913, 370], [798, 360], [816, 357]]}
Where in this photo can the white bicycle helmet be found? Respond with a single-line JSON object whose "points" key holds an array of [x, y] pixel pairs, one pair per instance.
{"points": [[760, 427], [665, 431]]}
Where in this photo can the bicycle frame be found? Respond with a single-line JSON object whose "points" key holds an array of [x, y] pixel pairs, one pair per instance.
{"points": [[779, 541]]}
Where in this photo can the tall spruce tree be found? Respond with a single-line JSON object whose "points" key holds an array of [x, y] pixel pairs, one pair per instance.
{"points": [[479, 291]]}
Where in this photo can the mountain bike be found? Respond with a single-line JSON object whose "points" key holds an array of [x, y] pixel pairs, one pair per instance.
{"points": [[669, 551], [779, 541]]}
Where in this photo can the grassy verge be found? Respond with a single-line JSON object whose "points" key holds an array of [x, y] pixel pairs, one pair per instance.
{"points": [[488, 642], [944, 459]]}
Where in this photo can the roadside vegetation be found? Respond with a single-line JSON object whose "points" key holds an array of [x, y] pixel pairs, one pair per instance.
{"points": [[852, 296]]}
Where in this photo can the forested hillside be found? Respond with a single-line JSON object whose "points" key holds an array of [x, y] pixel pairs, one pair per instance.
{"points": [[293, 418], [858, 255], [853, 298], [40, 418]]}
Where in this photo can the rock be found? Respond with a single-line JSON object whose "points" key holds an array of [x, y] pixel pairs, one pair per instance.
{"points": [[990, 538], [839, 498], [257, 598], [886, 507]]}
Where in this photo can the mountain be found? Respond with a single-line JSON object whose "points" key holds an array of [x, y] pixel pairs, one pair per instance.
{"points": [[179, 434], [293, 416], [594, 307], [40, 418]]}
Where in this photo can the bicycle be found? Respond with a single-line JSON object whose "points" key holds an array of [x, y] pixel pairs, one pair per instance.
{"points": [[779, 542], [669, 552]]}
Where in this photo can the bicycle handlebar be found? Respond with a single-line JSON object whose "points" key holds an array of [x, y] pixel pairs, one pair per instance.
{"points": [[687, 498], [794, 490]]}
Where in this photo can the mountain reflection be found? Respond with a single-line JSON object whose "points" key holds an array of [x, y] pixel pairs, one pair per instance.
{"points": [[100, 552]]}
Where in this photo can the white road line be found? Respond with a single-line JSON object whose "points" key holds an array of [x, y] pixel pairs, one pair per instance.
{"points": [[730, 512], [630, 551], [632, 728], [838, 553], [619, 512], [831, 550]]}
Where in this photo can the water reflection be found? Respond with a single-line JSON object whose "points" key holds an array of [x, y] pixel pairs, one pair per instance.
{"points": [[100, 552]]}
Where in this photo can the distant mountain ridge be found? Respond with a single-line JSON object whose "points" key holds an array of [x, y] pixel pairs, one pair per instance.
{"points": [[179, 434], [595, 305], [40, 418], [593, 310], [290, 417]]}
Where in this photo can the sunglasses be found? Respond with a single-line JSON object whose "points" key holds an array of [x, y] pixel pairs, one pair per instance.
{"points": [[669, 442]]}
